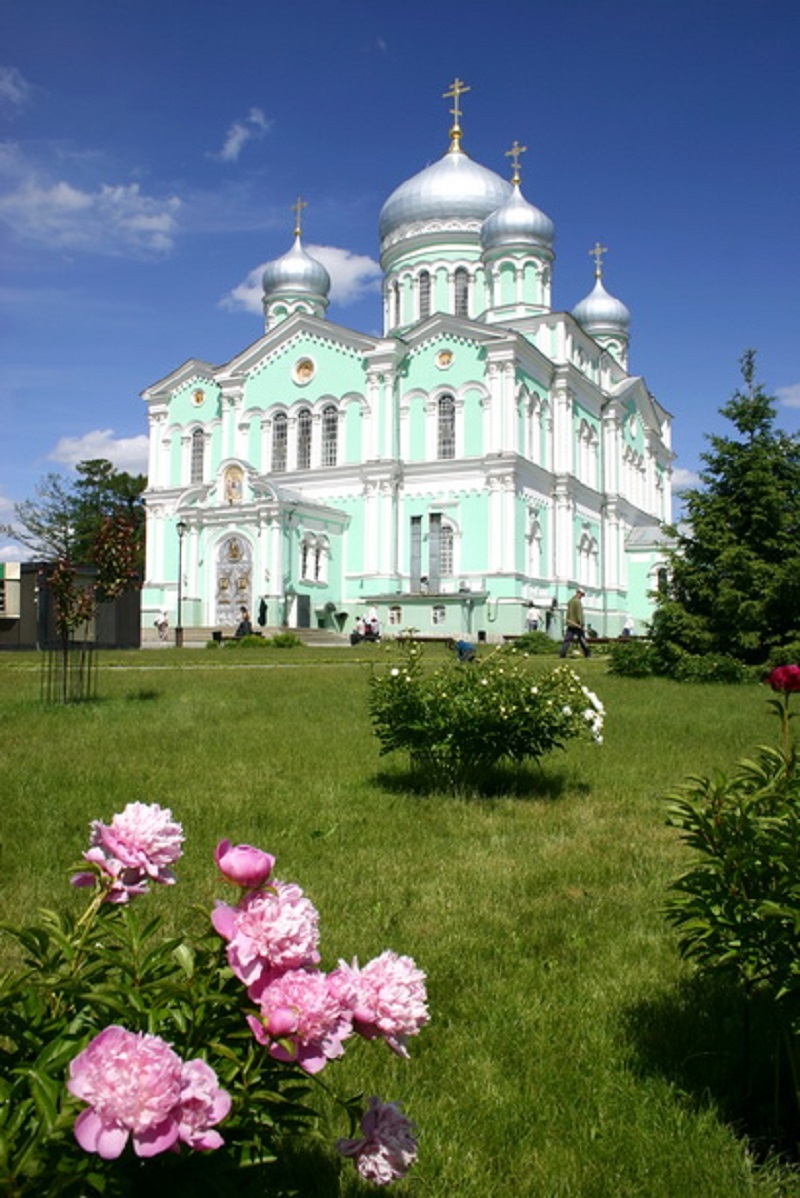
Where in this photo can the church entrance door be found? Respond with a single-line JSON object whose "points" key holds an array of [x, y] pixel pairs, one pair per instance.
{"points": [[303, 611], [234, 585]]}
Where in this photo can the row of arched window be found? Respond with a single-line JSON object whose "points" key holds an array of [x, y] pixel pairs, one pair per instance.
{"points": [[280, 439], [424, 296]]}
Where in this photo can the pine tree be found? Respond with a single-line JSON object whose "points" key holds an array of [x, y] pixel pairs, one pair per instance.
{"points": [[735, 572]]}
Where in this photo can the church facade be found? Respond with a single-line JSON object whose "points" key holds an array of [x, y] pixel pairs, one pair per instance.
{"points": [[485, 452]]}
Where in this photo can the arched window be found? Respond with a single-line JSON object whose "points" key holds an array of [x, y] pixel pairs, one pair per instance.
{"points": [[461, 280], [446, 427], [396, 297], [424, 294], [446, 550], [395, 615], [330, 431], [304, 440], [438, 614], [198, 456], [279, 438]]}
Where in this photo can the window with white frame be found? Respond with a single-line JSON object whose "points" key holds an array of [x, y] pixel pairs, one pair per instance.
{"points": [[461, 288], [396, 615], [424, 294], [330, 433], [534, 548], [446, 427], [437, 614], [304, 439], [588, 555], [446, 546], [197, 456], [280, 426], [314, 558]]}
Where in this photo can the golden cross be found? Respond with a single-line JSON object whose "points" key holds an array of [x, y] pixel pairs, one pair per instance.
{"points": [[597, 254], [297, 208], [457, 89], [514, 154]]}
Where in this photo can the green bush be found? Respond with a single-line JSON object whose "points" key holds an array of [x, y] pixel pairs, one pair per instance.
{"points": [[536, 643], [283, 640], [784, 655], [631, 659], [459, 721], [710, 667]]}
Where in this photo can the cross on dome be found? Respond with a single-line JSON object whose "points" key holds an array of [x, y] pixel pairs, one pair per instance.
{"points": [[513, 154], [297, 208], [597, 253], [457, 90]]}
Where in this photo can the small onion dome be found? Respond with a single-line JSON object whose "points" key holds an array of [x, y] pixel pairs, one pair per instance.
{"points": [[600, 312], [454, 188], [296, 272], [517, 223]]}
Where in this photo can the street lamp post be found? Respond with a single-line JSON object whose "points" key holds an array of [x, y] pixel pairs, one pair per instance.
{"points": [[182, 528]]}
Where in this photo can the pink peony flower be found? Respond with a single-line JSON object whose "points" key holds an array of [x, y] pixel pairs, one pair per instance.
{"points": [[138, 1088], [302, 1019], [785, 678], [388, 1148], [202, 1104], [387, 998], [137, 847], [132, 1083], [269, 931], [243, 865]]}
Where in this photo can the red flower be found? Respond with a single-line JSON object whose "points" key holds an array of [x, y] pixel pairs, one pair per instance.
{"points": [[785, 678]]}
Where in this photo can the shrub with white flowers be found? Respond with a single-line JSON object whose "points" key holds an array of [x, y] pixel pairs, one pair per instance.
{"points": [[461, 720]]}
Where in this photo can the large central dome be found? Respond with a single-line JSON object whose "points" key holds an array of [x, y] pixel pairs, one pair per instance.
{"points": [[454, 188]]}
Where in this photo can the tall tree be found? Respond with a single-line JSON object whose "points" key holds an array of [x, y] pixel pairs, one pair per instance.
{"points": [[64, 519], [735, 572]]}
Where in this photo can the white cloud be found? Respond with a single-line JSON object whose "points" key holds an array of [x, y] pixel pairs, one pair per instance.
{"points": [[789, 396], [251, 128], [683, 478], [126, 453], [15, 91], [114, 219], [352, 276]]}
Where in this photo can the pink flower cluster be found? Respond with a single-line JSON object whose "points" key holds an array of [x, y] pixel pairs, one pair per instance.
{"points": [[137, 1087], [785, 678], [386, 998], [304, 1014], [388, 1148], [139, 846]]}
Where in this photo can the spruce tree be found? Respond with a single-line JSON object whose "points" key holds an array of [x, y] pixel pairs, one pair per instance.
{"points": [[734, 578]]}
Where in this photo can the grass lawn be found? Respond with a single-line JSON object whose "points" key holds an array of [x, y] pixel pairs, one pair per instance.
{"points": [[569, 1052]]}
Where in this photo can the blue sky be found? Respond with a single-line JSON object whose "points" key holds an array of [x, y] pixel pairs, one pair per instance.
{"points": [[150, 152]]}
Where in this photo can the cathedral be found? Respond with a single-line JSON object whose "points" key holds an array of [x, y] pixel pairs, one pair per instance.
{"points": [[487, 452]]}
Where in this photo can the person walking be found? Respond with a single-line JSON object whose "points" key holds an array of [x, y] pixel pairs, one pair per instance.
{"points": [[575, 625]]}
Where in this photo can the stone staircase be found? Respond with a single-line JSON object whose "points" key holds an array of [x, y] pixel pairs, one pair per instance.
{"points": [[197, 638]]}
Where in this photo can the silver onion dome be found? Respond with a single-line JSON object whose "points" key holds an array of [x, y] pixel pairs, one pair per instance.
{"points": [[454, 188], [296, 272], [600, 312], [517, 222]]}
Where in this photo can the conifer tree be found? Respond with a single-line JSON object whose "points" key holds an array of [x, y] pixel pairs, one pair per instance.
{"points": [[734, 578]]}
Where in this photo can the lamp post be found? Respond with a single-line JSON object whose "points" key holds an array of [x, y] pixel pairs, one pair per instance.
{"points": [[182, 528]]}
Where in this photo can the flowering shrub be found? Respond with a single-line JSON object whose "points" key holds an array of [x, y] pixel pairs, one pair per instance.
{"points": [[123, 1049], [460, 720]]}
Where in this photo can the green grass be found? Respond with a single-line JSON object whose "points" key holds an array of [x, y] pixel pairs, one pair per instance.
{"points": [[569, 1051]]}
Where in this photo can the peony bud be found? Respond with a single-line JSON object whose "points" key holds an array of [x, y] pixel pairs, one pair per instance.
{"points": [[243, 865]]}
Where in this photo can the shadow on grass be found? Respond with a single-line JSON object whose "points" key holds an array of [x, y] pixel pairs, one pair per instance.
{"points": [[722, 1050], [145, 694], [501, 782]]}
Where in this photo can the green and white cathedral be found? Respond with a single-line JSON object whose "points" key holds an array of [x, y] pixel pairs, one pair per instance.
{"points": [[486, 452]]}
